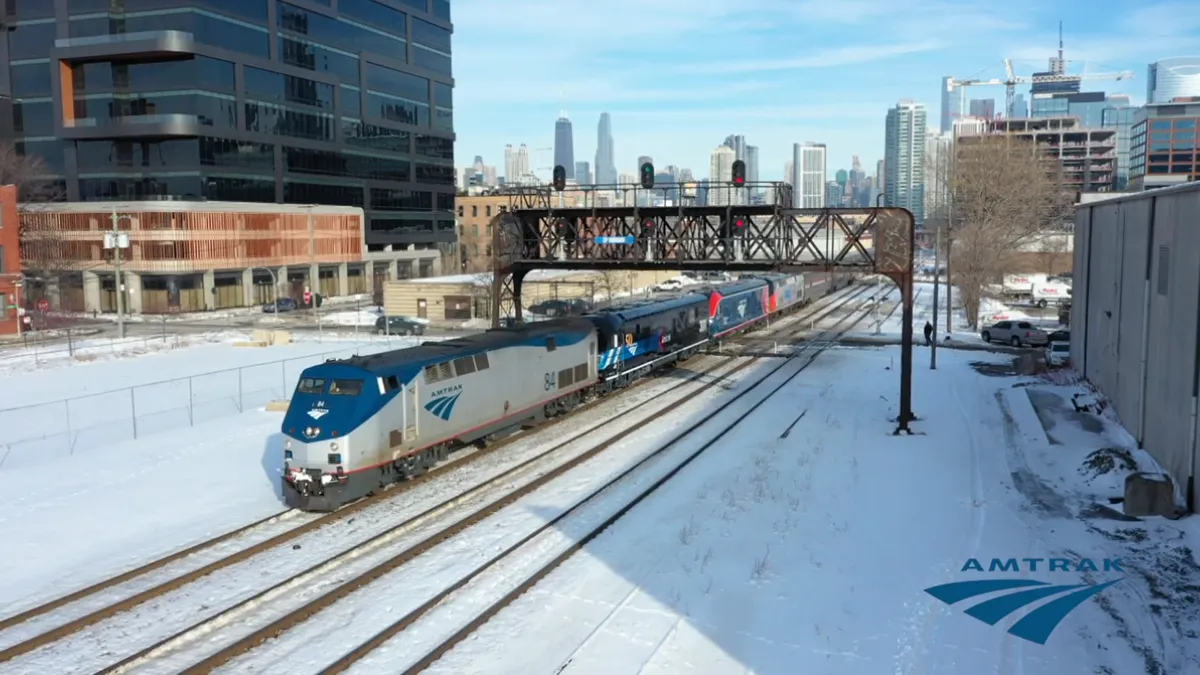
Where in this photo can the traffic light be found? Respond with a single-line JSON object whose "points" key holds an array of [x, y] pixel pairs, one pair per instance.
{"points": [[739, 173], [740, 223], [647, 175], [560, 178]]}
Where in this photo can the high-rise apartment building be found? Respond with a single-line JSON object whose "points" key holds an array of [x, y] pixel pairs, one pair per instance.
{"points": [[904, 158], [241, 100], [606, 165], [1020, 106], [720, 173], [808, 175], [1173, 78], [939, 150], [1088, 156], [564, 146]]}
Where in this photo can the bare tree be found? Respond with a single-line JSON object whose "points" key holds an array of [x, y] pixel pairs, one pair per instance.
{"points": [[481, 295], [608, 284], [45, 253], [1004, 192]]}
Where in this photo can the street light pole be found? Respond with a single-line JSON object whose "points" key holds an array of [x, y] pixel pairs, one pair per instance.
{"points": [[117, 244]]}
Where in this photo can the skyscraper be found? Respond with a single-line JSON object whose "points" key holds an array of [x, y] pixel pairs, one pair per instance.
{"points": [[510, 165], [564, 146], [738, 144], [521, 164], [904, 158], [583, 173], [948, 105], [720, 173], [606, 165], [751, 160], [809, 175], [1173, 78], [1020, 106], [985, 108]]}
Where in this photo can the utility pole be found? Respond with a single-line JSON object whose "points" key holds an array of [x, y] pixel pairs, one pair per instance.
{"points": [[117, 241], [937, 281]]}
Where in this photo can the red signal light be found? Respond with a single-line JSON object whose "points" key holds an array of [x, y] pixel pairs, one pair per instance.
{"points": [[739, 181], [740, 223]]}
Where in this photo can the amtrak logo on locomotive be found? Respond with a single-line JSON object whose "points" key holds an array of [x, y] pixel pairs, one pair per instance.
{"points": [[446, 391]]}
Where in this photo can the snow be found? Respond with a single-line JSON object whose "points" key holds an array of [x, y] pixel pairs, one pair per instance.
{"points": [[804, 552], [77, 520], [51, 413], [363, 316], [485, 278]]}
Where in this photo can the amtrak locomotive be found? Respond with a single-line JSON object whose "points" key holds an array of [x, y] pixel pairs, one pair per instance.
{"points": [[355, 425]]}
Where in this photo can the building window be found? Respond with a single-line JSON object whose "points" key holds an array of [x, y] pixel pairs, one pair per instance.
{"points": [[474, 211], [488, 211]]}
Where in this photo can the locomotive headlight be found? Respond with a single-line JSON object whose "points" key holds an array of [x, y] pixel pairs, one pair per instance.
{"points": [[333, 446], [287, 445]]}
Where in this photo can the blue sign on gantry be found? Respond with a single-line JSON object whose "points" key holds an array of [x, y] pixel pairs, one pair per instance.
{"points": [[627, 240]]}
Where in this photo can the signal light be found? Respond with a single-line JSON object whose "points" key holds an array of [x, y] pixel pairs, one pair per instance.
{"points": [[740, 223], [560, 178], [739, 173], [647, 175]]}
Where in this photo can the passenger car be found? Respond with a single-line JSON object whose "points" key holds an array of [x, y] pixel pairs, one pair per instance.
{"points": [[398, 325], [1016, 333], [1058, 354]]}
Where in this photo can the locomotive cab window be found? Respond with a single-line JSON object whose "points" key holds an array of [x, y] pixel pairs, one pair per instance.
{"points": [[464, 366], [481, 361], [345, 387], [391, 383], [311, 385]]}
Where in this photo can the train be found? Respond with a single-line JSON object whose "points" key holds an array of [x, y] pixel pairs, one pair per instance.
{"points": [[354, 426]]}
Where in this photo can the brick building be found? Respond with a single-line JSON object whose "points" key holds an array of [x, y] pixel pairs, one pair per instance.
{"points": [[196, 256], [10, 258]]}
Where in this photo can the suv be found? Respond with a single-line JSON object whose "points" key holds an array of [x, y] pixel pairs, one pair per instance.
{"points": [[398, 325], [1016, 333]]}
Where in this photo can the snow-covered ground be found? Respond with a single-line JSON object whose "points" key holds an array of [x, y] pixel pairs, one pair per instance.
{"points": [[51, 411], [811, 553], [805, 552]]}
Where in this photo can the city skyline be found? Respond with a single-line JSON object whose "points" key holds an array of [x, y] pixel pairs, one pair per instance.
{"points": [[679, 111]]}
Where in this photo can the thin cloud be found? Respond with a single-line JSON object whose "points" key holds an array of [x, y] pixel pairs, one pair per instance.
{"points": [[840, 56], [607, 91]]}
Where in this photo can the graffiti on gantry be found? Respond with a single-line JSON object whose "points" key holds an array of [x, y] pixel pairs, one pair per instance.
{"points": [[893, 241]]}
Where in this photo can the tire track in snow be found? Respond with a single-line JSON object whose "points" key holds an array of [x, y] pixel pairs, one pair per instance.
{"points": [[914, 647]]}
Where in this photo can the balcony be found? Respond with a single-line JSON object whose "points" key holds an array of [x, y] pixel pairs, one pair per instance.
{"points": [[149, 45], [133, 126]]}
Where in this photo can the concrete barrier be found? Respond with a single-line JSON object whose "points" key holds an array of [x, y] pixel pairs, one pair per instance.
{"points": [[278, 406], [1149, 494]]}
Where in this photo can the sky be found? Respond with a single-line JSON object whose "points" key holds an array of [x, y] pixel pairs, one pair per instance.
{"points": [[678, 76]]}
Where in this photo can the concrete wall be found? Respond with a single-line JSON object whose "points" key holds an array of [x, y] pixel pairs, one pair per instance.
{"points": [[1136, 318]]}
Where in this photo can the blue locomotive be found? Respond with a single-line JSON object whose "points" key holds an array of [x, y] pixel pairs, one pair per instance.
{"points": [[356, 425]]}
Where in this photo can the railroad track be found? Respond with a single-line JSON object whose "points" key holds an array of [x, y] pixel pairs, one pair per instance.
{"points": [[207, 647], [569, 532], [33, 633]]}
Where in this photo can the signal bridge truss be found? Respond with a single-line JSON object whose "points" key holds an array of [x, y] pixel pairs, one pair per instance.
{"points": [[539, 232]]}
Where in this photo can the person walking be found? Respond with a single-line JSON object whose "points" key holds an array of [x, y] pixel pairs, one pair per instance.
{"points": [[928, 334]]}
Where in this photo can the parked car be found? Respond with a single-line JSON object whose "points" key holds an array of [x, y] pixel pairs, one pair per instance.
{"points": [[398, 325], [669, 285], [573, 307], [1058, 354], [1059, 336], [280, 305], [1016, 333]]}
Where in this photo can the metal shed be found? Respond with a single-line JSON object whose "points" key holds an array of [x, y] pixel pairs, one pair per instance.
{"points": [[1136, 318]]}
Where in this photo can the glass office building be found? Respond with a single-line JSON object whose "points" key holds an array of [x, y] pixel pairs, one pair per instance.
{"points": [[241, 100]]}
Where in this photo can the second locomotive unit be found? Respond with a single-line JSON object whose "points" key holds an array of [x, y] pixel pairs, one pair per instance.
{"points": [[355, 425]]}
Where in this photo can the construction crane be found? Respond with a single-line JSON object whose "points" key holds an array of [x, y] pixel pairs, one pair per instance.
{"points": [[1057, 74]]}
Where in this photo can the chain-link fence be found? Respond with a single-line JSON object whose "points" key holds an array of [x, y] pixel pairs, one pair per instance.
{"points": [[33, 434]]}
